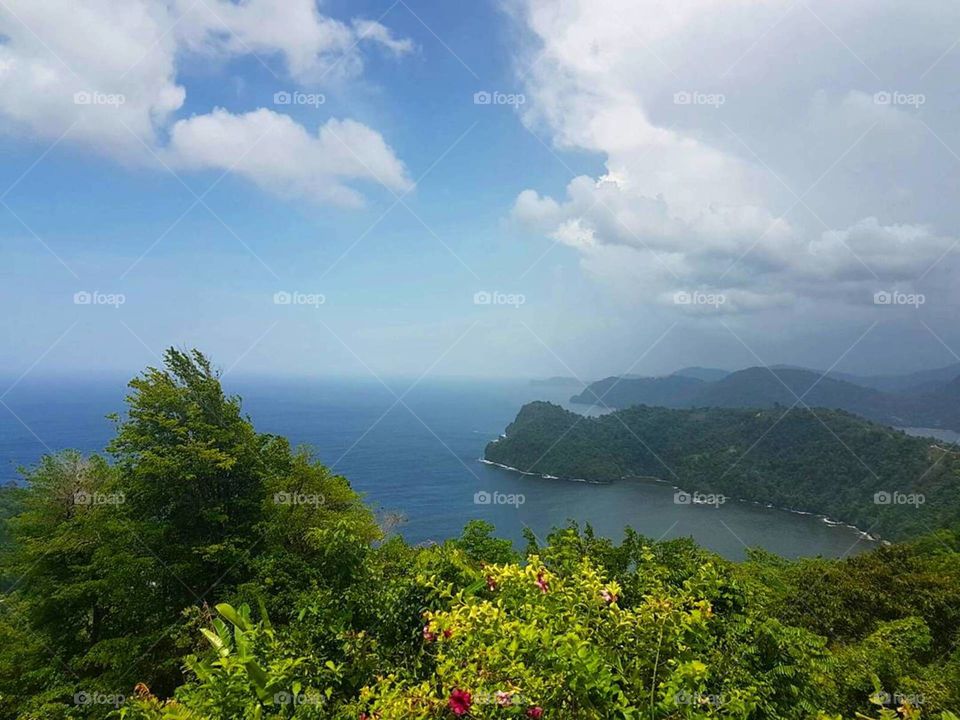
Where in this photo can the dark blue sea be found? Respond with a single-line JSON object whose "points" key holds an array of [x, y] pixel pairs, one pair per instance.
{"points": [[420, 456]]}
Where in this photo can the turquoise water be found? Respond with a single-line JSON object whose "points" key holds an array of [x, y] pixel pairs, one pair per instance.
{"points": [[421, 457]]}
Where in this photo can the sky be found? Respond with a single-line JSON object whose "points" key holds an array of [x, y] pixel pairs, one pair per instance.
{"points": [[508, 188]]}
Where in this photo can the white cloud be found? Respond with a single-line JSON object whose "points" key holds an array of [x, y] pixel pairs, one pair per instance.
{"points": [[809, 179], [281, 156], [377, 32], [104, 74], [56, 49], [313, 46]]}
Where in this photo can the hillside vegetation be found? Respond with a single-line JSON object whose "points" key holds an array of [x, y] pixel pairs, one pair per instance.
{"points": [[826, 462], [205, 571]]}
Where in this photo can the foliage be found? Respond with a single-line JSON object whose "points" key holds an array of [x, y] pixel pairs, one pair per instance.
{"points": [[129, 587], [827, 462], [111, 565]]}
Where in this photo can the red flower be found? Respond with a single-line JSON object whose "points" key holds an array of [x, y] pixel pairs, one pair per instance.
{"points": [[491, 583], [536, 712], [460, 702], [428, 635], [447, 633], [541, 583]]}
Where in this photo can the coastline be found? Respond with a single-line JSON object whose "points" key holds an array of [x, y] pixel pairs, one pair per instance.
{"points": [[826, 519]]}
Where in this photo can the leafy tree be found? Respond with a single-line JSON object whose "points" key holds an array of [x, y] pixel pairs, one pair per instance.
{"points": [[111, 566]]}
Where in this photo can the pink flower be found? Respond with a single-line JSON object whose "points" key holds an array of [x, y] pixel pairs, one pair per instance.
{"points": [[459, 702], [504, 699], [542, 583], [491, 583], [609, 597], [428, 635], [536, 712]]}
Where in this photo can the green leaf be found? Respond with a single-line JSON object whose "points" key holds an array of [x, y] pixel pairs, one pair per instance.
{"points": [[233, 616]]}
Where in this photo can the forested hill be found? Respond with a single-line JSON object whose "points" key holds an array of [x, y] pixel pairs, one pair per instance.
{"points": [[825, 461], [930, 405], [208, 571]]}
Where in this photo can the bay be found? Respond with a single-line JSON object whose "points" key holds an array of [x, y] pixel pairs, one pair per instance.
{"points": [[419, 455]]}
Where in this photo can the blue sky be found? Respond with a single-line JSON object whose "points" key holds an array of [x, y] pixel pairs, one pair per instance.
{"points": [[199, 285], [689, 180]]}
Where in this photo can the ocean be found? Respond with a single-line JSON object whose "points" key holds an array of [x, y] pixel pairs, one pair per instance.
{"points": [[420, 456]]}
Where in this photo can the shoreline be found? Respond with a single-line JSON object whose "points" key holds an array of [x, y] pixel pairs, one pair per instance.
{"points": [[826, 519]]}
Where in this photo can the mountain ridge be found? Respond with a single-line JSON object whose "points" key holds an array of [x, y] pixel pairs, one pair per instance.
{"points": [[932, 406]]}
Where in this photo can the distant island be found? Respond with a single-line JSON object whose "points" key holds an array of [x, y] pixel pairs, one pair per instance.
{"points": [[825, 462], [929, 399]]}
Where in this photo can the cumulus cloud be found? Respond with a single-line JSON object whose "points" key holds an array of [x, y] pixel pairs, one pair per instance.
{"points": [[281, 156], [312, 45], [104, 74], [748, 151], [63, 62]]}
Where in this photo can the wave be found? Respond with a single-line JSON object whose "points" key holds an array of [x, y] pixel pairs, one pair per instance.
{"points": [[826, 519], [545, 476]]}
